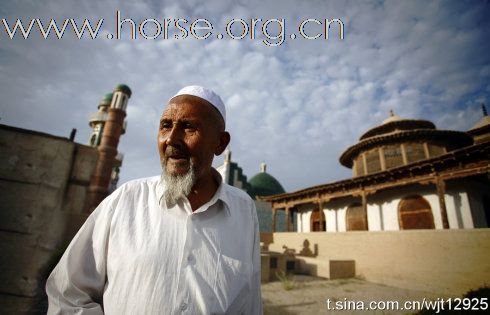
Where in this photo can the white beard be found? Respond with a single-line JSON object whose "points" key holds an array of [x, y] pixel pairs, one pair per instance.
{"points": [[177, 186]]}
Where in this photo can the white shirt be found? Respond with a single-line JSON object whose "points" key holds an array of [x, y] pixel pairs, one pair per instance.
{"points": [[135, 255]]}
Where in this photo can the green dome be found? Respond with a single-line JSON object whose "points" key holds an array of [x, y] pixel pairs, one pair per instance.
{"points": [[106, 100], [264, 184], [107, 97], [123, 88]]}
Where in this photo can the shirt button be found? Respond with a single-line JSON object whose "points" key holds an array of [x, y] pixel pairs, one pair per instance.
{"points": [[190, 258], [183, 306]]}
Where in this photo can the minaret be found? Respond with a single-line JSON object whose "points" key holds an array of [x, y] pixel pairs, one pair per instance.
{"points": [[113, 127], [98, 119], [227, 155], [263, 167], [224, 170]]}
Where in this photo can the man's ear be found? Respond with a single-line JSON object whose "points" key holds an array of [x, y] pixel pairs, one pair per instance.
{"points": [[224, 140]]}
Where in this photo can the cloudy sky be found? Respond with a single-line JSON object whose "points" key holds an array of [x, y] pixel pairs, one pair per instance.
{"points": [[297, 106]]}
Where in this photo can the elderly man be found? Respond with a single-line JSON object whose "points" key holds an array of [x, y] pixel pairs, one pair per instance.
{"points": [[182, 242]]}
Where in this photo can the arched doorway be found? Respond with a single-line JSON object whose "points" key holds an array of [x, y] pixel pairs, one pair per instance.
{"points": [[317, 221], [414, 212], [356, 218]]}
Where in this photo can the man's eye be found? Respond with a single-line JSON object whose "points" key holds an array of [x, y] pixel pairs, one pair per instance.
{"points": [[189, 126], [165, 125]]}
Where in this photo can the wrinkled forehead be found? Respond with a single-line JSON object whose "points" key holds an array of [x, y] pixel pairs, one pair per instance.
{"points": [[186, 103]]}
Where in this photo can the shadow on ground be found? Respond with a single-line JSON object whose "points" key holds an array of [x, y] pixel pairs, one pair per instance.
{"points": [[280, 309]]}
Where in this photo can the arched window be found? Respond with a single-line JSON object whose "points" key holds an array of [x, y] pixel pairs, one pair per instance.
{"points": [[414, 212], [317, 221], [124, 101], [93, 139], [356, 218]]}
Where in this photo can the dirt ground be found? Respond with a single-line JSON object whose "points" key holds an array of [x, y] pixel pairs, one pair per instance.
{"points": [[309, 296]]}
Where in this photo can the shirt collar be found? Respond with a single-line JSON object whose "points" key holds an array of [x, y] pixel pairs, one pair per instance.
{"points": [[220, 194]]}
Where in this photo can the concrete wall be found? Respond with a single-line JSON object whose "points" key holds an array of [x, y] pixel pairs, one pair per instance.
{"points": [[43, 181], [441, 261]]}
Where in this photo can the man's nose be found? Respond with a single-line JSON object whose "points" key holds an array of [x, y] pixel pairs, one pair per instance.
{"points": [[174, 136]]}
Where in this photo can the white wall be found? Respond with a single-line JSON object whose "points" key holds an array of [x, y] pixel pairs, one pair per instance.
{"points": [[374, 217], [331, 218], [303, 223], [382, 209], [458, 210]]}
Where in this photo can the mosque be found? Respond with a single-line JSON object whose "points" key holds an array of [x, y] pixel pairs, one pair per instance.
{"points": [[406, 175], [419, 197]]}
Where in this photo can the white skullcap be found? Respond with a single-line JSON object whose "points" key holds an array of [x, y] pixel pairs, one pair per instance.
{"points": [[206, 94]]}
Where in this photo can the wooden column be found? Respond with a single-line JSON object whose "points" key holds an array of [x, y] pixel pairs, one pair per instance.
{"points": [[364, 163], [273, 219], [426, 150], [287, 219], [382, 161], [320, 209], [364, 208], [292, 228], [441, 191], [404, 154]]}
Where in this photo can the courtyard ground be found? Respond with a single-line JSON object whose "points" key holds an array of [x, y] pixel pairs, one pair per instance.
{"points": [[309, 296]]}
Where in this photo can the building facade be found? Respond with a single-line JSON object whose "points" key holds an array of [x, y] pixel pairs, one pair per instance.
{"points": [[406, 175]]}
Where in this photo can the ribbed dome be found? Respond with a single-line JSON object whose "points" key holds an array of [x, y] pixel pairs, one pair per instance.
{"points": [[395, 131], [396, 123], [264, 184], [392, 117]]}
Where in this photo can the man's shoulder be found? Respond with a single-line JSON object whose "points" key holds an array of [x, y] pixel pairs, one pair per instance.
{"points": [[236, 193], [132, 192], [152, 180], [138, 185]]}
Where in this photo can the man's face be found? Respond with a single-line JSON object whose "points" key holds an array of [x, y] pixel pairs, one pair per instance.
{"points": [[188, 132]]}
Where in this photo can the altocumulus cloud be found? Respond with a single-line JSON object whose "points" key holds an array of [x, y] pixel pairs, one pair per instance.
{"points": [[296, 106]]}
